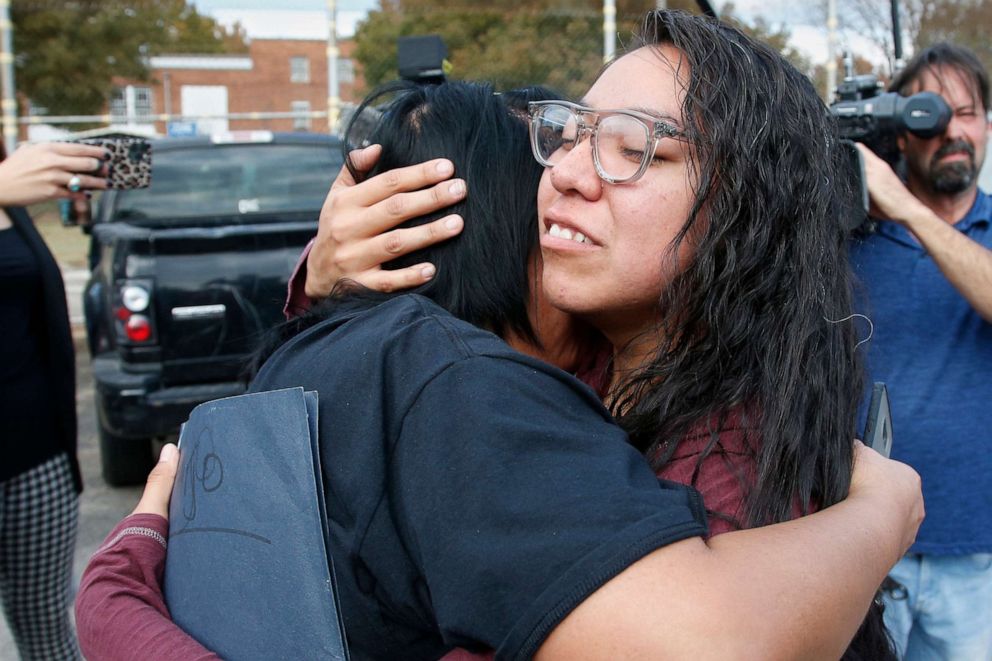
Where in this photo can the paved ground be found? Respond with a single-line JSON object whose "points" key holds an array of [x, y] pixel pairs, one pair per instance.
{"points": [[100, 507]]}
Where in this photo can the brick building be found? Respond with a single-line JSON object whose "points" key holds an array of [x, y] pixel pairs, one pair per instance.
{"points": [[275, 76]]}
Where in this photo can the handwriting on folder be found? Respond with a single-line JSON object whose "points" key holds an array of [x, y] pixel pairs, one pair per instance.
{"points": [[248, 571], [204, 476]]}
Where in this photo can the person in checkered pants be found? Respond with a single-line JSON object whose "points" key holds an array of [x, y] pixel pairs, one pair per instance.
{"points": [[39, 473]]}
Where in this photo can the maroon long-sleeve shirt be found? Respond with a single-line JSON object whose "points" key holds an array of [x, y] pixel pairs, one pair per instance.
{"points": [[121, 612]]}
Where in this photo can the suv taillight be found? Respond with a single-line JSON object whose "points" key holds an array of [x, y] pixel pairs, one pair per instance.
{"points": [[134, 321]]}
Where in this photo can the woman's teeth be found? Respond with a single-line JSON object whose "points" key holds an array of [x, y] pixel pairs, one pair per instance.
{"points": [[561, 233]]}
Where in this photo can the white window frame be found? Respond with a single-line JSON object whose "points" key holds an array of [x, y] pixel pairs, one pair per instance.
{"points": [[134, 104], [346, 70], [301, 123], [299, 69]]}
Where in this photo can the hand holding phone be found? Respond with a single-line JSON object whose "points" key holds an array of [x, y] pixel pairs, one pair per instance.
{"points": [[42, 171]]}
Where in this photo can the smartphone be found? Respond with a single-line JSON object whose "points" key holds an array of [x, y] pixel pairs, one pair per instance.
{"points": [[855, 209], [878, 427], [130, 160]]}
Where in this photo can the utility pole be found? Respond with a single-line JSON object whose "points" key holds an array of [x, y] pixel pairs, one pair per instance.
{"points": [[609, 29], [896, 39], [333, 89], [831, 50], [8, 104]]}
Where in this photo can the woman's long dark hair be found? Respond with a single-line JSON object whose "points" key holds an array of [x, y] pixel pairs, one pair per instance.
{"points": [[758, 325], [482, 274]]}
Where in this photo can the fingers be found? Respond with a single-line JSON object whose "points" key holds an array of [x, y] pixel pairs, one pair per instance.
{"points": [[65, 155], [401, 180], [876, 169], [867, 152], [352, 259], [361, 261], [158, 489], [86, 181], [345, 223], [356, 232], [405, 206], [77, 149], [401, 242], [364, 159], [91, 167], [85, 164], [890, 198], [400, 279]]}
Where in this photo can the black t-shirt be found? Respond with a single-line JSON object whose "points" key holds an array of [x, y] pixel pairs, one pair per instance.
{"points": [[28, 433], [475, 495]]}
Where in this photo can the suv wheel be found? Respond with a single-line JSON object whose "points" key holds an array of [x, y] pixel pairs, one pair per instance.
{"points": [[125, 461]]}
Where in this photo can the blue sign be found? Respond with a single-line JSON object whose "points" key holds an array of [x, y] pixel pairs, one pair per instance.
{"points": [[181, 129]]}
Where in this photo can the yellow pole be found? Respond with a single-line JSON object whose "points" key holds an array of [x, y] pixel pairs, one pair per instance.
{"points": [[333, 88], [609, 29], [8, 104]]}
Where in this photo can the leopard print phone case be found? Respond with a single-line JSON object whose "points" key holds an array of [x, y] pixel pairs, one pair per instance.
{"points": [[130, 161]]}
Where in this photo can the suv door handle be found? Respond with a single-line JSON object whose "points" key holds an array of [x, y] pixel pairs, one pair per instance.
{"points": [[199, 312]]}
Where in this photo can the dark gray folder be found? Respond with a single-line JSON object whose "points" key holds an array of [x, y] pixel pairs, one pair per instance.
{"points": [[247, 573]]}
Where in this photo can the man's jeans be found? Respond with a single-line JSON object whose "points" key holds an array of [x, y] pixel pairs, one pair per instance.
{"points": [[945, 611]]}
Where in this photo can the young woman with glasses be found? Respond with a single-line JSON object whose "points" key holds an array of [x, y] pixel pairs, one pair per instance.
{"points": [[513, 517]]}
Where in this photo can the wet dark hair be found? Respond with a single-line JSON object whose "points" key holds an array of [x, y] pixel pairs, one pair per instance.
{"points": [[940, 55], [758, 329], [482, 274]]}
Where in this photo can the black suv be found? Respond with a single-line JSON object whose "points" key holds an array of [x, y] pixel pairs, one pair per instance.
{"points": [[189, 273]]}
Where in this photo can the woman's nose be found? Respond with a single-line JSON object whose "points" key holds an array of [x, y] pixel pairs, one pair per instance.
{"points": [[576, 171]]}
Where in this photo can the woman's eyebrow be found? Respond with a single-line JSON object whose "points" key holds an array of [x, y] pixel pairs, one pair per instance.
{"points": [[668, 119], [651, 112]]}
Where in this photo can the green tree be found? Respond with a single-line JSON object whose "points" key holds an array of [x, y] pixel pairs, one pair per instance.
{"points": [[861, 67], [922, 22], [763, 30], [514, 43], [67, 53], [964, 22], [552, 42]]}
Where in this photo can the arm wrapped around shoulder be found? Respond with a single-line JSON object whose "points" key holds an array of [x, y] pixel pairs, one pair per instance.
{"points": [[522, 497], [120, 611]]}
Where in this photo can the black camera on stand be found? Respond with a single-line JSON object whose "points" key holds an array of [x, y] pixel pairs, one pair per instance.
{"points": [[422, 59]]}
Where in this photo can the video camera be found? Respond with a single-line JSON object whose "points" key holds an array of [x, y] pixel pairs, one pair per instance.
{"points": [[865, 115]]}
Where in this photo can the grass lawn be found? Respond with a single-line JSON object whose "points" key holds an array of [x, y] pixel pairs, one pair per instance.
{"points": [[69, 245]]}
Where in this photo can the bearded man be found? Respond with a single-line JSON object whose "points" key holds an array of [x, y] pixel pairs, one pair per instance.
{"points": [[927, 269]]}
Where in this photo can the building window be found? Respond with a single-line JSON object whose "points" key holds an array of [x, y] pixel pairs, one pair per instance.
{"points": [[35, 110], [301, 123], [299, 70], [346, 70], [143, 101], [118, 102], [131, 103]]}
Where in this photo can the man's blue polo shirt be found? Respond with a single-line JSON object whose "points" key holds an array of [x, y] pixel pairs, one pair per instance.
{"points": [[935, 354]]}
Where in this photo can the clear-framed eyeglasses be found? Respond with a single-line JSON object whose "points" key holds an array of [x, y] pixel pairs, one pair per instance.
{"points": [[623, 141]]}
